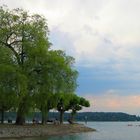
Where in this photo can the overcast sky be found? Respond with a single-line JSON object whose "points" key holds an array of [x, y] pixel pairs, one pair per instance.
{"points": [[104, 38]]}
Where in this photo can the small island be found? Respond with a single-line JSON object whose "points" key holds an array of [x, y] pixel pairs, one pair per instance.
{"points": [[15, 131]]}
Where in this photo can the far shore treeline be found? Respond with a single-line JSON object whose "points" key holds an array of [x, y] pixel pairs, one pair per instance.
{"points": [[33, 76], [80, 116]]}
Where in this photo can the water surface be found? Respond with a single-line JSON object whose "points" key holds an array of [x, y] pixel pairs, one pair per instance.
{"points": [[105, 131]]}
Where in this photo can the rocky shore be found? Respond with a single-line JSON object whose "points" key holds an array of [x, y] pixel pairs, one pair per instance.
{"points": [[33, 130]]}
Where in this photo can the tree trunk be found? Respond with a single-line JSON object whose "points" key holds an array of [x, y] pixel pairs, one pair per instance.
{"points": [[44, 116], [73, 113], [2, 116], [20, 120], [23, 110], [61, 116], [72, 117]]}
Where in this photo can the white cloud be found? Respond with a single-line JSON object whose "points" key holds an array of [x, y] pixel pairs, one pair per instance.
{"points": [[100, 30], [89, 23]]}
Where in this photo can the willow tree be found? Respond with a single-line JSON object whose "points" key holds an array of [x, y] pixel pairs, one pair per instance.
{"points": [[65, 82], [10, 87], [55, 78], [43, 92], [52, 80], [23, 35], [47, 73], [76, 103], [63, 104], [6, 96], [10, 81]]}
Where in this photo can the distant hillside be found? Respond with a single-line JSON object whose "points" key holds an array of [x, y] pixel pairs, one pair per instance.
{"points": [[107, 116], [91, 116]]}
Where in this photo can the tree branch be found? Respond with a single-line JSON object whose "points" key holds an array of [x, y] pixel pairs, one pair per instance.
{"points": [[13, 50]]}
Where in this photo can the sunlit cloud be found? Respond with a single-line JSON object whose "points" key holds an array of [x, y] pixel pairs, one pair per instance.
{"points": [[114, 103]]}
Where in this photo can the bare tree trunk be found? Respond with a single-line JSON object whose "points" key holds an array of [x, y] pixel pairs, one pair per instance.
{"points": [[61, 116], [44, 112], [2, 116], [44, 117], [72, 118], [20, 120]]}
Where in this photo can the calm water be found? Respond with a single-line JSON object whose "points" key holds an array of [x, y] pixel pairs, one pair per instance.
{"points": [[105, 131]]}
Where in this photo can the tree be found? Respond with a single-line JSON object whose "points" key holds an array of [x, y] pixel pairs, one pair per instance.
{"points": [[44, 105], [10, 83], [45, 77], [63, 103], [65, 80], [59, 78], [77, 103], [52, 80], [7, 98], [24, 35]]}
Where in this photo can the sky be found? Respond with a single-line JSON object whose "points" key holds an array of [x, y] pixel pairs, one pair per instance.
{"points": [[104, 38]]}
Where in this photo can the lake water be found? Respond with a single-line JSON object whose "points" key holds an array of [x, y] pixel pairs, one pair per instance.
{"points": [[105, 131]]}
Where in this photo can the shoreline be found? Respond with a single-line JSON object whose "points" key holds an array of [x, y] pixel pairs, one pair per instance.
{"points": [[36, 130]]}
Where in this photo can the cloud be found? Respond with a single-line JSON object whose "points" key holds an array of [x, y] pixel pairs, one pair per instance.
{"points": [[113, 102], [103, 36], [100, 30], [99, 33]]}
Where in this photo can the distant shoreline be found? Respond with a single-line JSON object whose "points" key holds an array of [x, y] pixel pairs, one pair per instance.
{"points": [[36, 130], [80, 116]]}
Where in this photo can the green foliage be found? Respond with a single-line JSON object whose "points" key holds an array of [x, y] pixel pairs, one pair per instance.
{"points": [[76, 103], [84, 102], [7, 87], [63, 100], [6, 56], [31, 75]]}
